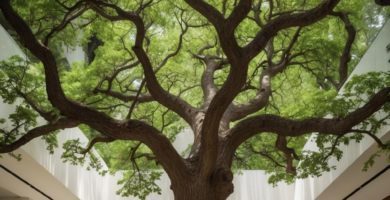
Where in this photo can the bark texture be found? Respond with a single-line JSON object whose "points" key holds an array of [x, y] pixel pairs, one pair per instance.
{"points": [[206, 173]]}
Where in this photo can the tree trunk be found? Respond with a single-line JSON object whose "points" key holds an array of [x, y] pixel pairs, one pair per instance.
{"points": [[199, 192], [195, 193], [218, 187]]}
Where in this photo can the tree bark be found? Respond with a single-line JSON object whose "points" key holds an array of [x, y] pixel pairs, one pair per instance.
{"points": [[219, 187], [383, 2], [206, 174], [192, 192]]}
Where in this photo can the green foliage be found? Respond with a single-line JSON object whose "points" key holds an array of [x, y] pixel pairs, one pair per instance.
{"points": [[358, 91], [51, 141], [139, 183], [18, 157], [71, 153], [11, 77], [77, 155], [20, 121], [383, 151], [297, 92]]}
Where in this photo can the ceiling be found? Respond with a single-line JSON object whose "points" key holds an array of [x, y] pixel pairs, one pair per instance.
{"points": [[377, 189], [33, 173], [6, 193]]}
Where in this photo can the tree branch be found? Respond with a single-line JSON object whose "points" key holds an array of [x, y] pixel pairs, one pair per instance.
{"points": [[286, 127], [289, 153], [208, 11], [383, 2], [264, 92], [333, 147], [46, 115], [266, 155], [127, 130], [136, 99], [346, 55], [66, 20], [377, 140], [53, 86], [39, 131], [96, 140], [126, 98], [232, 86], [182, 108], [115, 74], [239, 13], [208, 86], [286, 21]]}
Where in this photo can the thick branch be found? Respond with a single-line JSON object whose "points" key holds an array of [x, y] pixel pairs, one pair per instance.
{"points": [[53, 87], [217, 108], [128, 130], [289, 153], [208, 86], [286, 127], [170, 101], [286, 21], [264, 92], [239, 13], [258, 102], [233, 84], [208, 11], [39, 131], [383, 2]]}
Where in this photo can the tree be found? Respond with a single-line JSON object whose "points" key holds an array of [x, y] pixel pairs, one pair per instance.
{"points": [[157, 66]]}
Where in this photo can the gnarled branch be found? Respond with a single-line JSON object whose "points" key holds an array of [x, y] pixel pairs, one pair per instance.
{"points": [[287, 127]]}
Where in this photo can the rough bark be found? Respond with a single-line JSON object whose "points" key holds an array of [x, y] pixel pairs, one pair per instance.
{"points": [[383, 2], [205, 174], [218, 187]]}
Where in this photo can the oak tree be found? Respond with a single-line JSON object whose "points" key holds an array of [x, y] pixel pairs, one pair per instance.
{"points": [[252, 79]]}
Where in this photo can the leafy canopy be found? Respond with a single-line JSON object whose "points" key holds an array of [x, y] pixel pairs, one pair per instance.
{"points": [[178, 42]]}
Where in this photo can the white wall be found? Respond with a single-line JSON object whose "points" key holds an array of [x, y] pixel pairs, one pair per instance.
{"points": [[8, 46], [76, 54]]}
